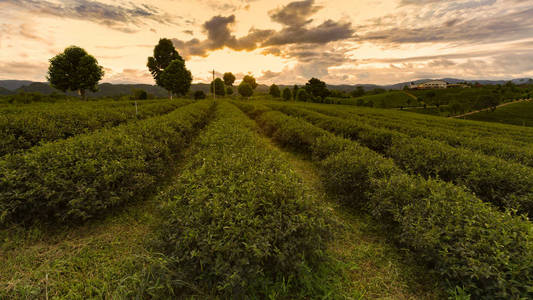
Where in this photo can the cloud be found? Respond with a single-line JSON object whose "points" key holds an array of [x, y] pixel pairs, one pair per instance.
{"points": [[312, 61], [114, 16], [23, 69], [129, 76], [295, 14], [219, 35], [329, 31], [295, 18], [453, 23]]}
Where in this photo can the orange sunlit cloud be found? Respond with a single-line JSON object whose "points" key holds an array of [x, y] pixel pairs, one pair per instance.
{"points": [[341, 42]]}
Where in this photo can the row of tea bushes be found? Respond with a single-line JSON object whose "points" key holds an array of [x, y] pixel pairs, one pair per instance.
{"points": [[517, 134], [24, 130], [237, 220], [43, 106], [78, 178], [494, 180], [501, 146], [472, 245]]}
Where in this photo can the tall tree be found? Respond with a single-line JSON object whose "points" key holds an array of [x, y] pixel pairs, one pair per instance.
{"points": [[229, 78], [294, 92], [75, 70], [287, 95], [245, 89], [164, 54], [302, 95], [176, 78], [274, 91], [250, 80], [317, 88], [218, 86]]}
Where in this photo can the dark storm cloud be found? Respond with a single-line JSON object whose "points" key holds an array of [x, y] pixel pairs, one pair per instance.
{"points": [[116, 17]]}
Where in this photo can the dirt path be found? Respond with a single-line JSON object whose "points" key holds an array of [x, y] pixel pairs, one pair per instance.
{"points": [[486, 109], [411, 95]]}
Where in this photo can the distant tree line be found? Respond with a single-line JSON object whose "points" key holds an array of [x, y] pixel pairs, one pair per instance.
{"points": [[77, 71]]}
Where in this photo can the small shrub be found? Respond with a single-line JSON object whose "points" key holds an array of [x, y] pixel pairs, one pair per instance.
{"points": [[199, 95]]}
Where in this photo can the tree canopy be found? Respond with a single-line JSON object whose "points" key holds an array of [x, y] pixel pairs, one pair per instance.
{"points": [[229, 78], [251, 81], [302, 95], [245, 89], [229, 90], [164, 54], [358, 92], [317, 88], [75, 70], [199, 95], [287, 95], [274, 91], [219, 87], [176, 78]]}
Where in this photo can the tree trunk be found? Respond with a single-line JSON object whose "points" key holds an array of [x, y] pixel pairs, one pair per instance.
{"points": [[170, 95], [82, 94]]}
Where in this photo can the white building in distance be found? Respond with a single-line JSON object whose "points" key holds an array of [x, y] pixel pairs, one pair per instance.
{"points": [[434, 84]]}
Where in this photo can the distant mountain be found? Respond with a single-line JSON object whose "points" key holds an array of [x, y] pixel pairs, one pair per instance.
{"points": [[4, 91], [116, 90], [104, 89], [37, 87], [13, 84]]}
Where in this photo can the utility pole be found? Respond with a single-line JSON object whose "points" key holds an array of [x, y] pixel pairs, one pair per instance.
{"points": [[213, 86]]}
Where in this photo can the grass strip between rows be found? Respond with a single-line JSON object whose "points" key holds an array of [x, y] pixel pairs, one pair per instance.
{"points": [[471, 244], [79, 178], [237, 222]]}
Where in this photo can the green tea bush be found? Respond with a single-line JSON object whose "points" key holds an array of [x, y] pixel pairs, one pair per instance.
{"points": [[238, 219], [19, 131], [469, 243], [502, 145], [502, 183], [76, 179]]}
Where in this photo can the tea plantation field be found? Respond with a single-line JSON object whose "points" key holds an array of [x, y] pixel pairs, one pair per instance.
{"points": [[520, 114], [261, 199]]}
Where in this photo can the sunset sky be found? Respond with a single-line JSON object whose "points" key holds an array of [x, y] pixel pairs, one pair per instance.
{"points": [[338, 41]]}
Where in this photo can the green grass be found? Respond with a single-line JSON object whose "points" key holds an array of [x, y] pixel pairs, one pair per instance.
{"points": [[112, 256], [433, 111], [515, 114], [101, 259], [362, 262], [384, 100]]}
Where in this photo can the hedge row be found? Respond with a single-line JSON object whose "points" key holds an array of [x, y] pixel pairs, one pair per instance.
{"points": [[76, 179], [516, 135], [500, 146], [237, 219], [19, 131], [468, 242], [494, 180]]}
